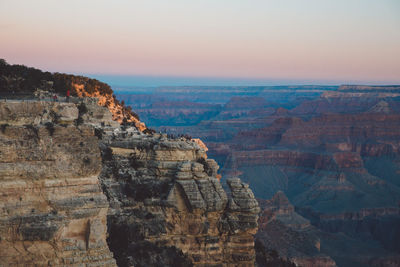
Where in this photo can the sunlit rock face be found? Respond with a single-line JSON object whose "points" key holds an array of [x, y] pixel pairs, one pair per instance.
{"points": [[52, 209], [21, 82], [119, 112]]}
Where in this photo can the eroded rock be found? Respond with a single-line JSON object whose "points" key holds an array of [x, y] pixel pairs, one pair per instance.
{"points": [[52, 209], [75, 186], [167, 200]]}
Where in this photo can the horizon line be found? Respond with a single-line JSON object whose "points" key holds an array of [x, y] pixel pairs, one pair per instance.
{"points": [[185, 80], [221, 80]]}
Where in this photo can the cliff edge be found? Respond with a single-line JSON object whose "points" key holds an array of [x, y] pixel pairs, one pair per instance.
{"points": [[168, 208]]}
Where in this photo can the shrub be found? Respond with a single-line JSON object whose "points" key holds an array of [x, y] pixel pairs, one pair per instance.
{"points": [[50, 128], [135, 115], [106, 154], [149, 131], [86, 160], [78, 121], [3, 127], [186, 136], [98, 132], [33, 129], [82, 109], [55, 118]]}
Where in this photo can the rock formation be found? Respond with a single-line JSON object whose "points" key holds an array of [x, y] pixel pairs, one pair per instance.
{"points": [[53, 211], [21, 82], [291, 235], [168, 207], [78, 189], [334, 151], [119, 112]]}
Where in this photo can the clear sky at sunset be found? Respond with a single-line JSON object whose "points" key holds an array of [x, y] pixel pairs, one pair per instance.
{"points": [[299, 40]]}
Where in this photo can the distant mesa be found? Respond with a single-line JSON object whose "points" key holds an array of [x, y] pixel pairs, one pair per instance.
{"points": [[369, 88]]}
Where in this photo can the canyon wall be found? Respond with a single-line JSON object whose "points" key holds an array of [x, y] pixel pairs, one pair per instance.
{"points": [[79, 189], [53, 211], [293, 236], [168, 207], [334, 151]]}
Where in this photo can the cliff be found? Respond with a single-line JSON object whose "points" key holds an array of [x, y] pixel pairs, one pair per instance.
{"points": [[53, 211], [172, 209], [291, 235], [78, 189], [21, 82]]}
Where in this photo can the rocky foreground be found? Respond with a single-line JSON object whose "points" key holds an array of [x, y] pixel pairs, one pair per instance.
{"points": [[77, 189]]}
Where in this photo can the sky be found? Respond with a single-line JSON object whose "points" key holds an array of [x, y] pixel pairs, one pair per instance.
{"points": [[306, 41]]}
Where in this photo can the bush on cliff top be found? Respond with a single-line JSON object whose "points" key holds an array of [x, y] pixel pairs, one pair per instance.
{"points": [[21, 81]]}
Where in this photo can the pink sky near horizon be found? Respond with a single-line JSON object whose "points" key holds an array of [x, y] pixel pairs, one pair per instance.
{"points": [[310, 39]]}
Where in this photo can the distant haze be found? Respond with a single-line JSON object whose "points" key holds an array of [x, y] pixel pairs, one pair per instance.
{"points": [[129, 81], [260, 41]]}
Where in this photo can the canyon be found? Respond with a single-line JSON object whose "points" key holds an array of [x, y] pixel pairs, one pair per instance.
{"points": [[85, 183], [334, 152]]}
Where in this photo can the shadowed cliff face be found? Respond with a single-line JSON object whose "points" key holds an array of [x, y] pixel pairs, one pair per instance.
{"points": [[333, 151], [167, 208], [341, 172], [284, 230], [306, 243]]}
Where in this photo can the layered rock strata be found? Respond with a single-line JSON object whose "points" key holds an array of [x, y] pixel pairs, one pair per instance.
{"points": [[74, 186], [169, 209], [290, 234], [52, 209]]}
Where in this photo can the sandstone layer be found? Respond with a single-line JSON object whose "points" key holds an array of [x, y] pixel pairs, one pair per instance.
{"points": [[169, 209], [52, 209], [78, 189]]}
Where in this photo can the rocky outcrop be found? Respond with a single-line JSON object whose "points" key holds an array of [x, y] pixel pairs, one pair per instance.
{"points": [[21, 82], [279, 208], [168, 208], [78, 189], [52, 209], [20, 112], [119, 112], [291, 235], [332, 151]]}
